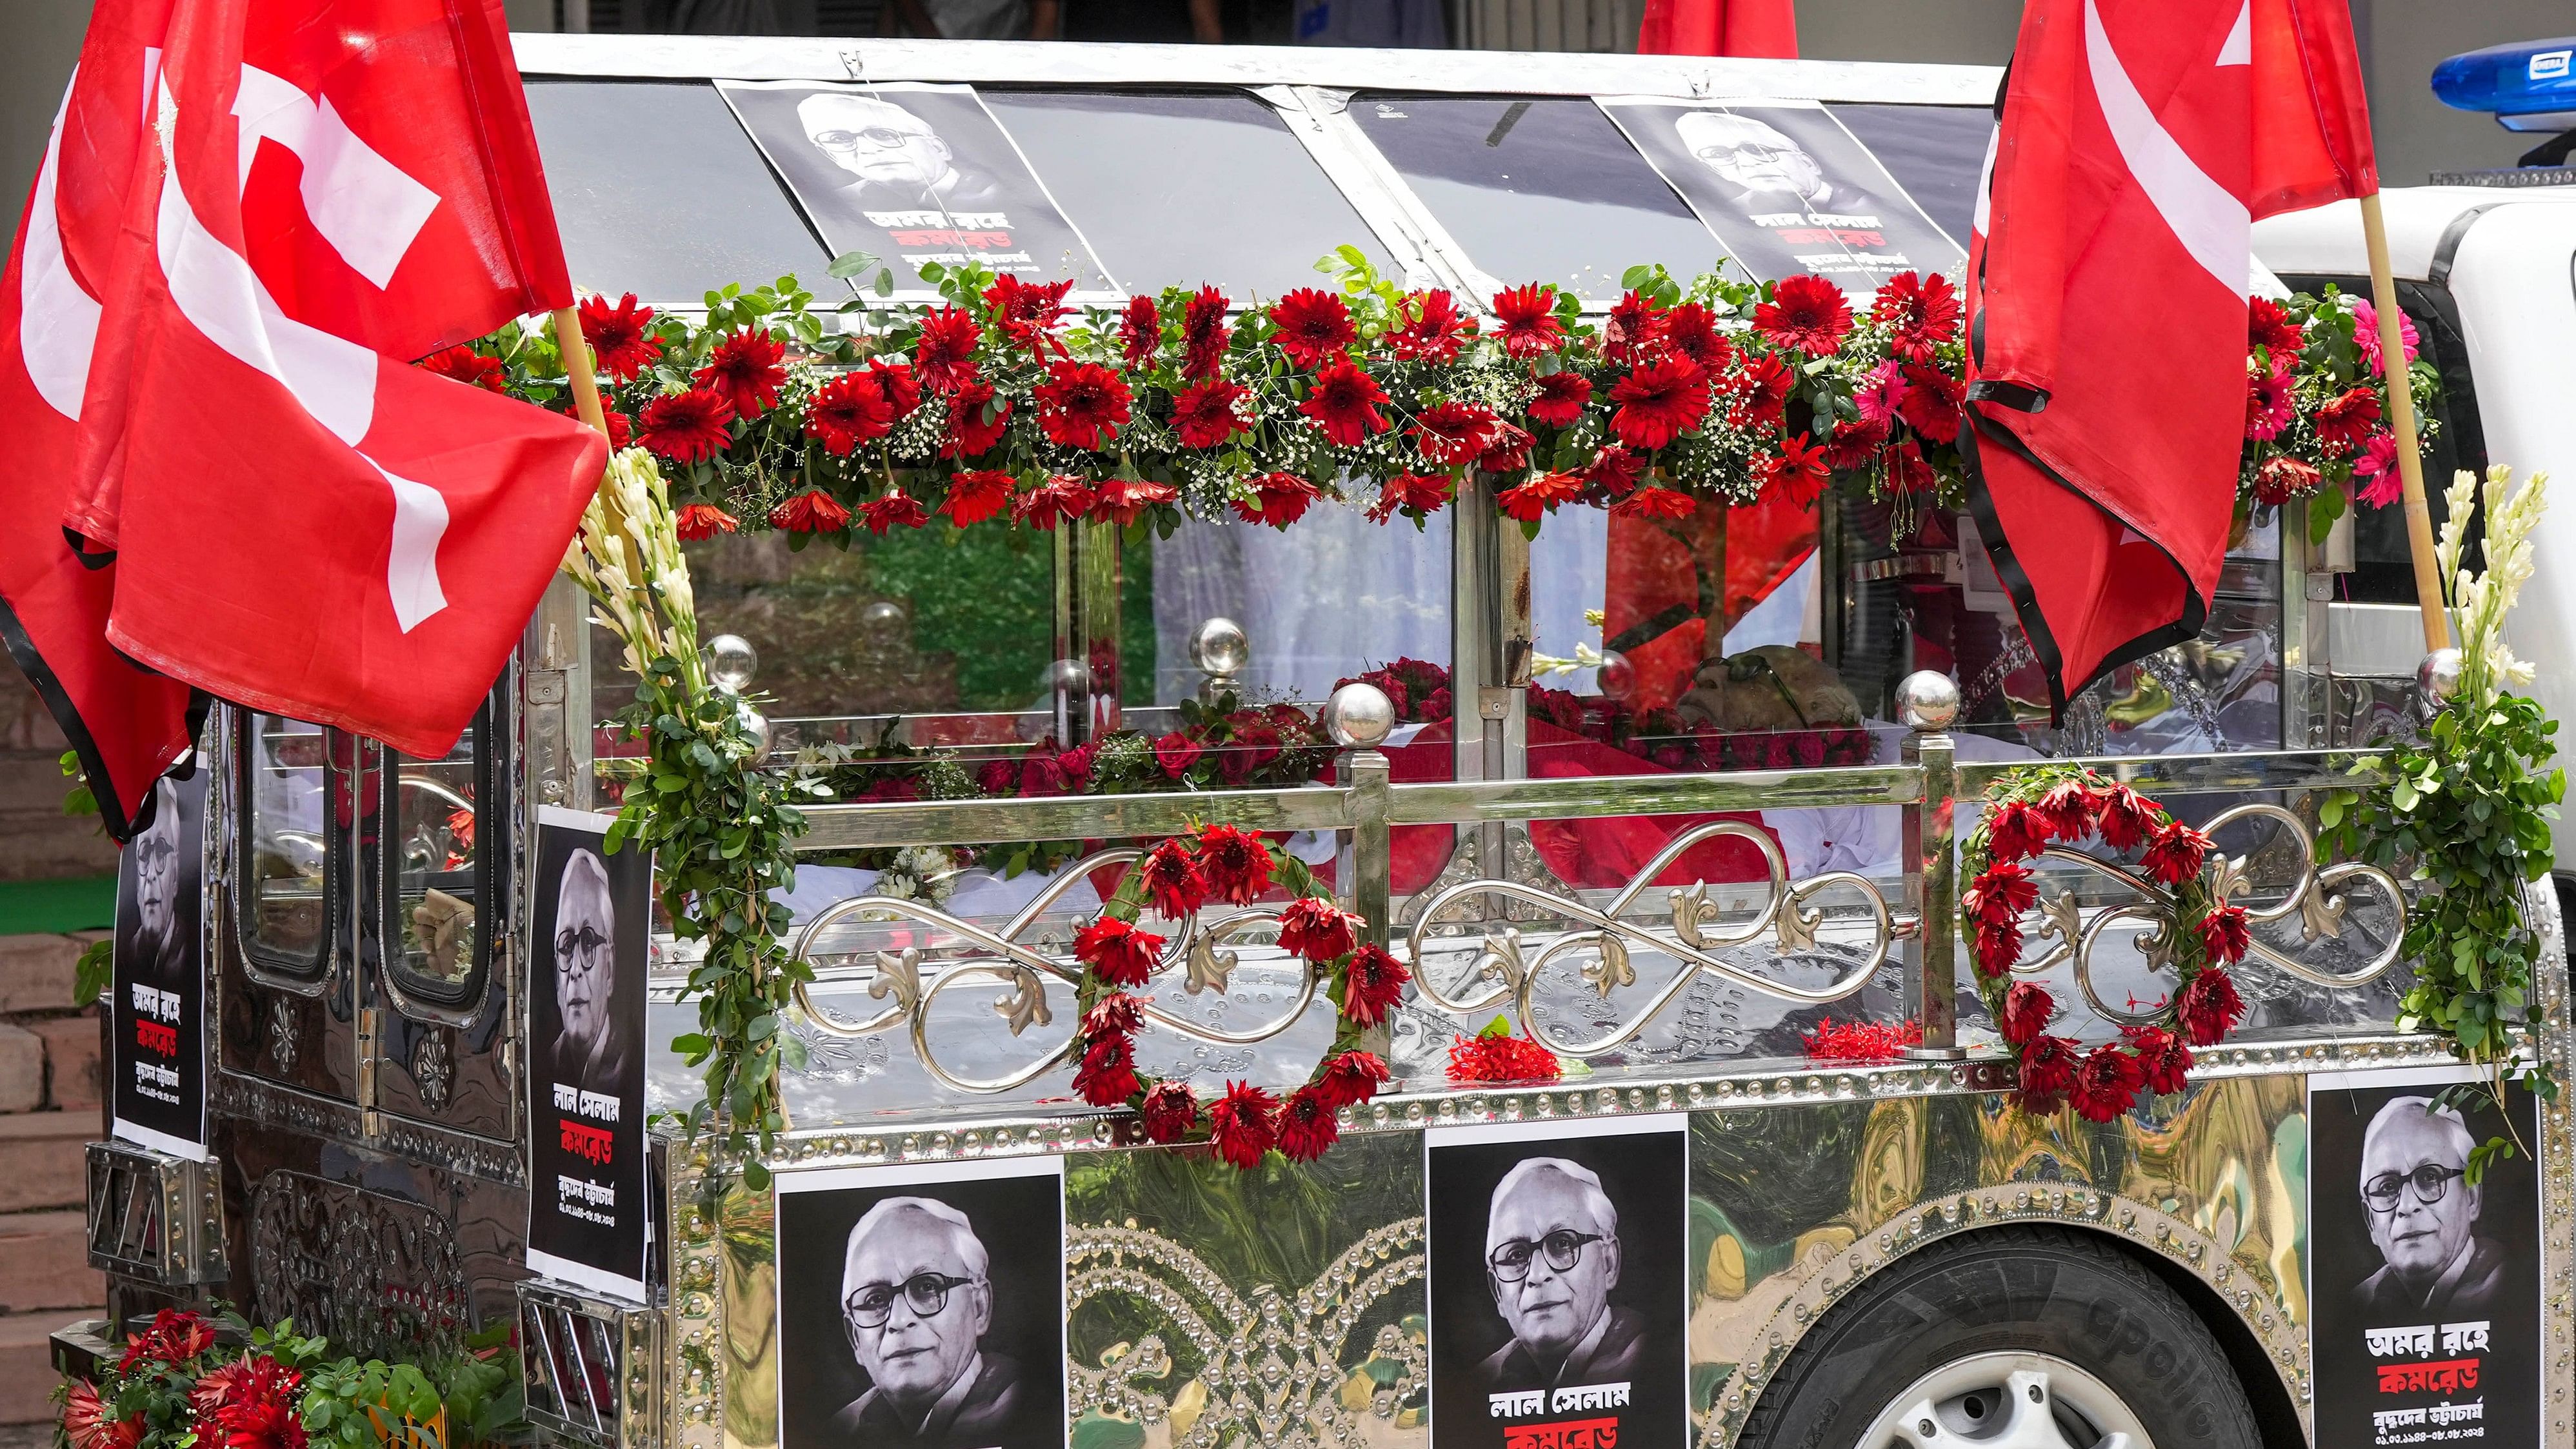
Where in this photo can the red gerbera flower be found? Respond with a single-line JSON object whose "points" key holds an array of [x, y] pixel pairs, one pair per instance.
{"points": [[2124, 817], [467, 366], [2162, 1058], [1311, 325], [86, 1424], [2047, 1066], [1429, 328], [2027, 1008], [811, 511], [1412, 494], [695, 521], [1799, 467], [1107, 1075], [2225, 934], [2345, 422], [1061, 496], [975, 420], [1173, 881], [1115, 1014], [2106, 1084], [1240, 1124], [1763, 384], [621, 429], [1615, 471], [944, 355], [2015, 832], [847, 411], [1659, 402], [1176, 752], [748, 367], [2209, 1007], [1140, 331], [1451, 433], [688, 427], [1306, 1126], [2001, 894], [2270, 328], [974, 497], [1854, 445], [1168, 1112], [1204, 412], [893, 382], [1204, 333], [1932, 402], [2175, 855], [1124, 500], [1805, 314], [1351, 1078], [261, 1426], [1525, 320], [1501, 1058], [1237, 865], [2067, 810], [1998, 946], [1655, 503], [1278, 499], [1539, 496], [896, 508], [1561, 399], [1691, 331], [1027, 312], [1633, 327], [1372, 985], [1317, 930], [618, 335], [1344, 402], [1509, 452], [2282, 478], [1920, 312], [1118, 952], [1082, 404]]}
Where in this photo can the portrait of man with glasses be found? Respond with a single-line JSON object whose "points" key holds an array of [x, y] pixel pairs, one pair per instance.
{"points": [[896, 159], [2424, 1216], [1558, 1282], [158, 1066], [591, 1048], [921, 1307]]}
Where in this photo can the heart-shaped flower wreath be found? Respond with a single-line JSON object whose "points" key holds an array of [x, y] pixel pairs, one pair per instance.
{"points": [[2028, 811]]}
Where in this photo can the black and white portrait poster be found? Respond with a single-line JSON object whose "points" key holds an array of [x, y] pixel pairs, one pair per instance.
{"points": [[587, 1180], [1787, 189], [913, 173], [1558, 1296], [2427, 1289], [157, 1005], [922, 1307]]}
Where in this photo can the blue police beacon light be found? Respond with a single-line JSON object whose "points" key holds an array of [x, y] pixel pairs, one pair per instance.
{"points": [[2527, 86]]}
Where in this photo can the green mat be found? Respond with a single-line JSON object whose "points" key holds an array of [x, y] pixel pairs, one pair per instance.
{"points": [[31, 907]]}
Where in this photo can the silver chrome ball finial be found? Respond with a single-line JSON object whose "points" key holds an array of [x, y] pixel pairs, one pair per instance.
{"points": [[1927, 701], [730, 662], [2437, 679], [1359, 715], [756, 725], [1220, 648]]}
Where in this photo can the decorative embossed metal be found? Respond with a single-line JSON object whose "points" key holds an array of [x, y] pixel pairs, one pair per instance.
{"points": [[433, 1067], [155, 1216], [285, 1024], [2318, 898], [378, 1275], [590, 1367], [1511, 969], [1273, 1369], [1194, 951]]}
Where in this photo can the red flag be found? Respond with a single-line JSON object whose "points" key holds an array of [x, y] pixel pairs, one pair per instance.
{"points": [[2139, 140], [304, 523], [1767, 28], [126, 724]]}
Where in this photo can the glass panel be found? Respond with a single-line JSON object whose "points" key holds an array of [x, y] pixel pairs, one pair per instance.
{"points": [[286, 913], [1330, 598], [1537, 189], [439, 874], [660, 193], [1935, 152], [1230, 198]]}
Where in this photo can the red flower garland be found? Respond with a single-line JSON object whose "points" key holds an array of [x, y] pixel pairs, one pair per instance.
{"points": [[1179, 876], [2025, 813]]}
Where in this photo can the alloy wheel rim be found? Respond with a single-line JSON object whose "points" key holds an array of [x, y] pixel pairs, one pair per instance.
{"points": [[2007, 1401]]}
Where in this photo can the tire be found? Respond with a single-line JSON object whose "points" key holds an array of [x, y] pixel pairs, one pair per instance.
{"points": [[2018, 1338]]}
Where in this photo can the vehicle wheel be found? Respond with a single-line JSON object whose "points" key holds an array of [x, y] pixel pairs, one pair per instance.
{"points": [[2020, 1338]]}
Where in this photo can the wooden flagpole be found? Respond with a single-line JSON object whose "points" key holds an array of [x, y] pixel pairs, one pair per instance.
{"points": [[585, 383], [2401, 420]]}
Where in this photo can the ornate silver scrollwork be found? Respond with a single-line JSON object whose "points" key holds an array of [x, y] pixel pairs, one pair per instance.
{"points": [[1511, 971], [912, 979], [2318, 898]]}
